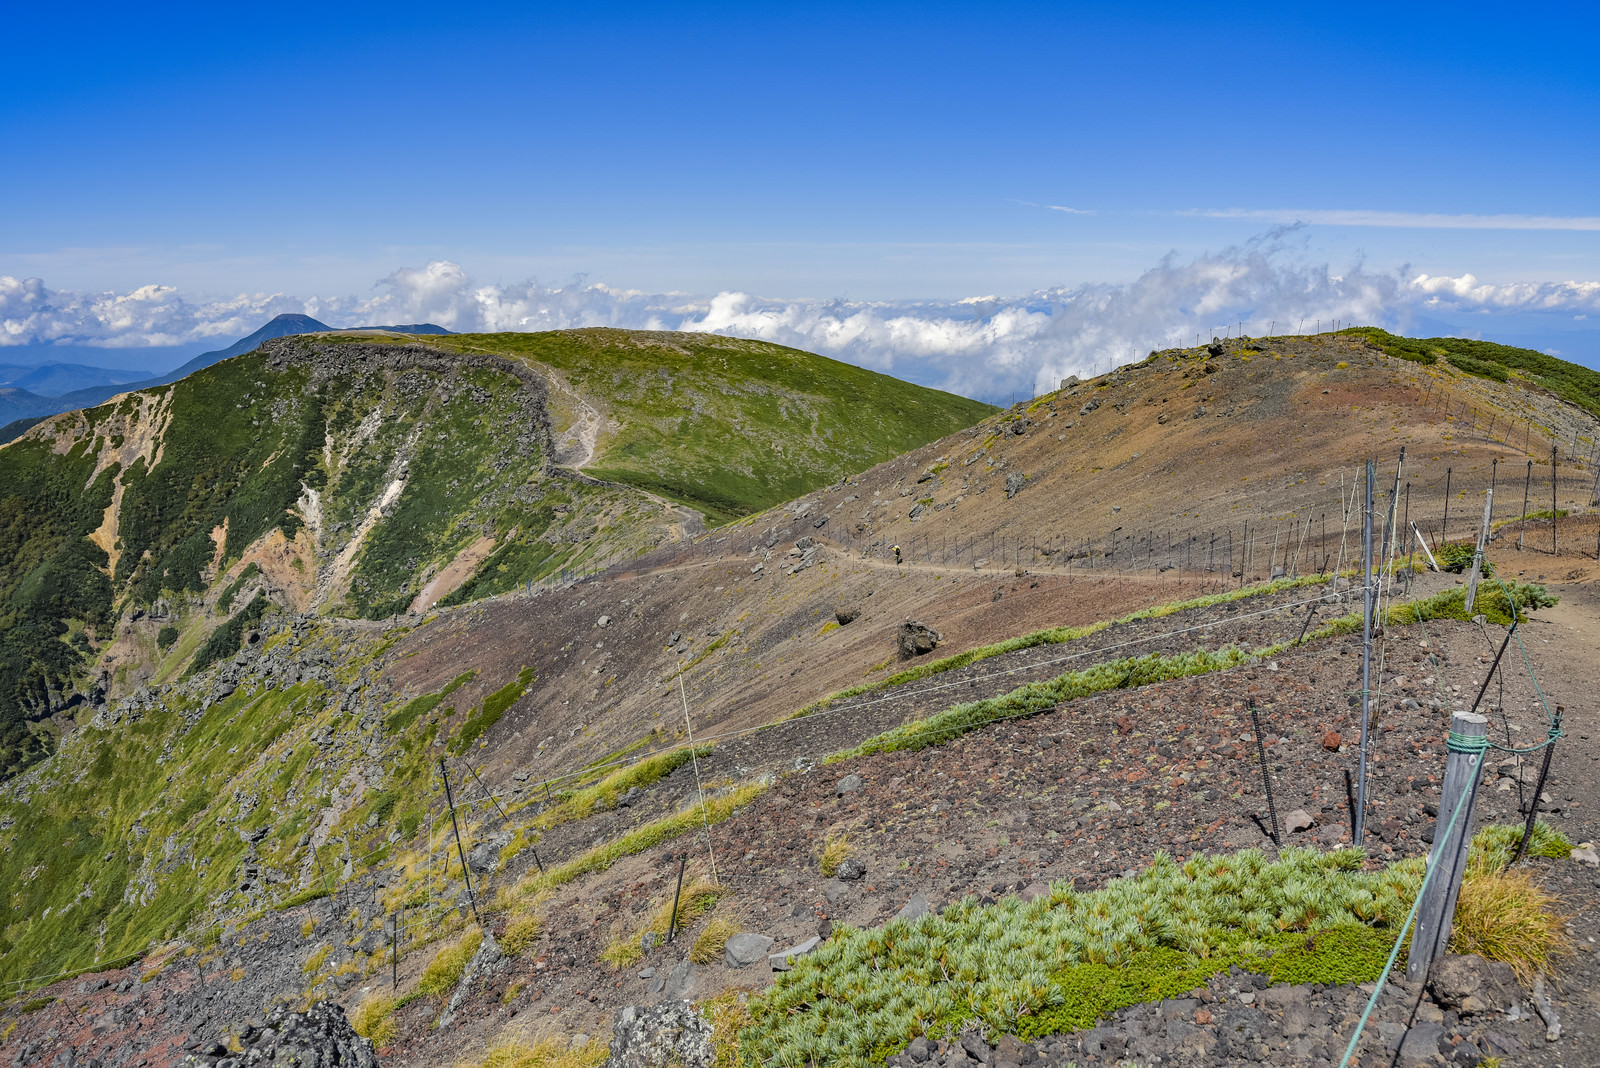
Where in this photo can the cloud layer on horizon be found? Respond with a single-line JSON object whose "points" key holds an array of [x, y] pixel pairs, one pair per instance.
{"points": [[985, 346]]}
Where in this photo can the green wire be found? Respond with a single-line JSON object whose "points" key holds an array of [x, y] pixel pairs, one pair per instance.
{"points": [[1394, 953]]}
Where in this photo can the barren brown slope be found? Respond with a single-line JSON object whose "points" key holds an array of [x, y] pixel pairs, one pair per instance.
{"points": [[1167, 466]]}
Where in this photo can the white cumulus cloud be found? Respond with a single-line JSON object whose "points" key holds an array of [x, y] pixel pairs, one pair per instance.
{"points": [[988, 346]]}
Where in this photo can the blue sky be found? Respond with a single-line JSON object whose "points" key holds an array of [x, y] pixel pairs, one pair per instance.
{"points": [[177, 173]]}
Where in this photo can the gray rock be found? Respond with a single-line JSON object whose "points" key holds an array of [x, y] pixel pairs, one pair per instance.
{"points": [[782, 962], [1470, 985], [671, 1033], [848, 785], [319, 1036], [746, 948], [851, 869], [914, 909], [1298, 820], [1420, 1043], [1015, 480], [976, 1048], [680, 981]]}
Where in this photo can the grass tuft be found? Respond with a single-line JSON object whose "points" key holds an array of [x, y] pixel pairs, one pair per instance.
{"points": [[444, 971], [707, 948], [835, 850], [515, 1051], [374, 1019], [1506, 916], [520, 932]]}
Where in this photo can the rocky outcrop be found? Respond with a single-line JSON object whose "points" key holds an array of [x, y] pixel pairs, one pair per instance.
{"points": [[320, 1037]]}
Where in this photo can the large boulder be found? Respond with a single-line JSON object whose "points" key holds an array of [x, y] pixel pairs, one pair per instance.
{"points": [[916, 639]]}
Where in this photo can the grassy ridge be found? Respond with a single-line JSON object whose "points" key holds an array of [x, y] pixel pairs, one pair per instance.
{"points": [[731, 426], [1567, 380]]}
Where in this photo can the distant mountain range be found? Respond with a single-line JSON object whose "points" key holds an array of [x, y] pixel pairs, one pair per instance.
{"points": [[29, 394]]}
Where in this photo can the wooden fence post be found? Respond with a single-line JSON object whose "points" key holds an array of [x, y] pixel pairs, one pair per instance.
{"points": [[1448, 859]]}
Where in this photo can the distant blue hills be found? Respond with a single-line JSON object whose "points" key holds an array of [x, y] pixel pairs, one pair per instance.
{"points": [[29, 394]]}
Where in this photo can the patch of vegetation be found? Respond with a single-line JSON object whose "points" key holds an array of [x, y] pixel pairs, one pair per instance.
{"points": [[709, 944], [716, 643], [1065, 959], [605, 793], [1052, 636], [166, 636], [374, 1019], [521, 930], [1456, 557], [488, 714], [50, 575], [398, 720], [226, 639], [516, 1051], [676, 396], [1035, 697], [1569, 381], [835, 851], [1507, 916], [602, 856], [1495, 845], [225, 599], [1497, 601], [444, 971], [1481, 368]]}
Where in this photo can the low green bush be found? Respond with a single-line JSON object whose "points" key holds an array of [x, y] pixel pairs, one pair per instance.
{"points": [[1066, 959]]}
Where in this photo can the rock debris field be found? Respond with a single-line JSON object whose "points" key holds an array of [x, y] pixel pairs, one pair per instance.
{"points": [[1085, 792]]}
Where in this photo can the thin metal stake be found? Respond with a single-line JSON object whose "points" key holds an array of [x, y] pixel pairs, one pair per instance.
{"points": [[672, 922], [1527, 482], [1538, 789], [1552, 500], [504, 818], [466, 872], [1366, 658], [1266, 776], [1307, 625]]}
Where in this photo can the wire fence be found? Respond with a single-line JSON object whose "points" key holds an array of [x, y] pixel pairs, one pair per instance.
{"points": [[1292, 546]]}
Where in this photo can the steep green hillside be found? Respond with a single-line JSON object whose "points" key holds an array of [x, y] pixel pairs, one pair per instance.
{"points": [[265, 790], [730, 426], [360, 477]]}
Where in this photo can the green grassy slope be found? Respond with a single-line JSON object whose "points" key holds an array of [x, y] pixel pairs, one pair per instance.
{"points": [[371, 466], [1569, 381], [730, 426]]}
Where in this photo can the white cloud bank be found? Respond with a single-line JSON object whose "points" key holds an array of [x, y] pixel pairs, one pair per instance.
{"points": [[987, 346]]}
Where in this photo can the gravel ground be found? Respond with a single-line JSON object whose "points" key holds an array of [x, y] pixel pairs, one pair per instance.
{"points": [[1085, 792]]}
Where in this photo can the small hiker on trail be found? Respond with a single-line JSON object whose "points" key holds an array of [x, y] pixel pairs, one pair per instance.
{"points": [[897, 556]]}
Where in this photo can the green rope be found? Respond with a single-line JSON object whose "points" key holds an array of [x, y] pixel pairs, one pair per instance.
{"points": [[1555, 732], [1394, 953], [1467, 743]]}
